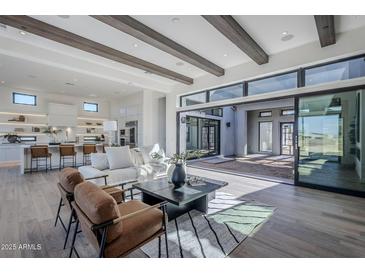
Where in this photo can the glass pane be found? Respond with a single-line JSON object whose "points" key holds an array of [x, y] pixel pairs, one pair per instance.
{"points": [[24, 99], [275, 83], [226, 93], [265, 114], [202, 134], [91, 107], [287, 138], [335, 72], [265, 136], [329, 153], [194, 99], [287, 112]]}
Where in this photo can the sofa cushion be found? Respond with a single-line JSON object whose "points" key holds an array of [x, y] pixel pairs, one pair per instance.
{"points": [[136, 229], [122, 175], [119, 157], [99, 161], [148, 151], [69, 178], [137, 156]]}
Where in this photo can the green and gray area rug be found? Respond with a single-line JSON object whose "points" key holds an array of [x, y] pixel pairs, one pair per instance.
{"points": [[228, 222]]}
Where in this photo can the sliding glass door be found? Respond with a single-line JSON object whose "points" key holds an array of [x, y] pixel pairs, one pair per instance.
{"points": [[330, 139]]}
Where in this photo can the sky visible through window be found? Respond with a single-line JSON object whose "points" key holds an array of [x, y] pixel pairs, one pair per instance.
{"points": [[91, 107], [24, 99]]}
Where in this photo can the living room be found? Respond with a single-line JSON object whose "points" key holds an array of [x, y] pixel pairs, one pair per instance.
{"points": [[167, 134]]}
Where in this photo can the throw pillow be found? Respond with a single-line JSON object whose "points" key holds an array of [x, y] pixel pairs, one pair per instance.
{"points": [[99, 161], [119, 157]]}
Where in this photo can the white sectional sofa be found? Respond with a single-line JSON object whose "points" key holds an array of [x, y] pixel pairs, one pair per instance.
{"points": [[122, 164]]}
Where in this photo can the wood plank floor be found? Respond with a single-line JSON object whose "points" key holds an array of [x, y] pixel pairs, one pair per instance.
{"points": [[306, 223]]}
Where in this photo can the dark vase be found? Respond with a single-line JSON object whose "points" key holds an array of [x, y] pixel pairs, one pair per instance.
{"points": [[178, 175]]}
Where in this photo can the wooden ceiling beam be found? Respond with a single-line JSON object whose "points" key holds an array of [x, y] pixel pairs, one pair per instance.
{"points": [[326, 29], [231, 29], [62, 36], [133, 27]]}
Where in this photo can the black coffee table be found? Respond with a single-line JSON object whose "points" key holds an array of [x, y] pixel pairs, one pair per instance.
{"points": [[180, 200]]}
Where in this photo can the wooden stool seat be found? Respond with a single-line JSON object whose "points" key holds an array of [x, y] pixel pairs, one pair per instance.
{"points": [[38, 153]]}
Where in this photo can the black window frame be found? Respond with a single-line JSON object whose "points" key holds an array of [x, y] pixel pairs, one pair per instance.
{"points": [[231, 85], [24, 94], [96, 104], [265, 111], [289, 109], [272, 76], [300, 78]]}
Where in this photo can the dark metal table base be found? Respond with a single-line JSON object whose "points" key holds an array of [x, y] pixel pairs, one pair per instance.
{"points": [[174, 211]]}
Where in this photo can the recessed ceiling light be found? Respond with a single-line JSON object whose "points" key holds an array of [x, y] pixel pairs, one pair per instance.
{"points": [[175, 19], [179, 64], [22, 32], [135, 45], [284, 33], [225, 55], [64, 16]]}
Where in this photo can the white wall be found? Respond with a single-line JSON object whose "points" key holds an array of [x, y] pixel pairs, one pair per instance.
{"points": [[129, 108], [349, 43]]}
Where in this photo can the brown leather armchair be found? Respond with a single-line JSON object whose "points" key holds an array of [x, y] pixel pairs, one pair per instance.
{"points": [[114, 229], [69, 178]]}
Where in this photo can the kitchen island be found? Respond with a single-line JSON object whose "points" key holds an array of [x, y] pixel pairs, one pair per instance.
{"points": [[19, 154]]}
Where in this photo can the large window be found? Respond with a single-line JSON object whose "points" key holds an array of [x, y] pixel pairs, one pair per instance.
{"points": [[194, 99], [275, 83], [323, 73], [334, 72], [226, 93], [24, 99], [93, 107]]}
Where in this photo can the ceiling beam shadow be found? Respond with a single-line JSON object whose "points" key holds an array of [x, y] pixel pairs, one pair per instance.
{"points": [[133, 27], [62, 36]]}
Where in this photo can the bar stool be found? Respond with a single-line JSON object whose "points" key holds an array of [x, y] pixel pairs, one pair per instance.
{"points": [[40, 153], [67, 152], [87, 149]]}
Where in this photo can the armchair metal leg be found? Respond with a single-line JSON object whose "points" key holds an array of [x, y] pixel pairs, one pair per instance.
{"points": [[74, 238], [68, 228], [103, 241], [165, 227], [159, 246], [58, 212]]}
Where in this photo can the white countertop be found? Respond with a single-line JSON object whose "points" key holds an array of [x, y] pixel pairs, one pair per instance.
{"points": [[22, 145]]}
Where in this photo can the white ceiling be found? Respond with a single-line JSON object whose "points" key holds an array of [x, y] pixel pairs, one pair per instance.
{"points": [[54, 64]]}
